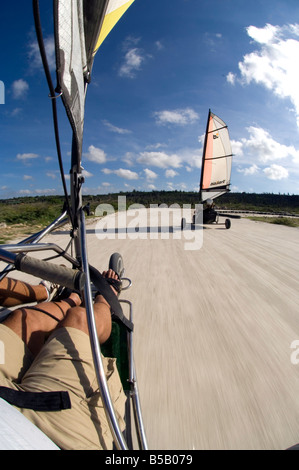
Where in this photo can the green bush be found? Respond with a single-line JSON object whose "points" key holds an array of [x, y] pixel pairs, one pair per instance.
{"points": [[285, 221], [27, 213], [288, 221]]}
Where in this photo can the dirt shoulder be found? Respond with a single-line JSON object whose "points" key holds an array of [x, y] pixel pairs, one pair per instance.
{"points": [[16, 231]]}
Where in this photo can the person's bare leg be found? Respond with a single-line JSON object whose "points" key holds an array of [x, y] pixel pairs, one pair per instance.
{"points": [[76, 317], [14, 292], [34, 326]]}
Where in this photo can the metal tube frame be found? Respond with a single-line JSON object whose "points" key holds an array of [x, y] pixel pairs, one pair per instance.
{"points": [[32, 244], [95, 345], [77, 218], [35, 238], [134, 395]]}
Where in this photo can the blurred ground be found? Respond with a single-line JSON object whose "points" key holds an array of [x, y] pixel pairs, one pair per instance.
{"points": [[213, 329]]}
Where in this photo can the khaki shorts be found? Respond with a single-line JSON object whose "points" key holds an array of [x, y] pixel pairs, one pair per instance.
{"points": [[64, 364]]}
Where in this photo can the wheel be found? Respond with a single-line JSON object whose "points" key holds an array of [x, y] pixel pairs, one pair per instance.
{"points": [[183, 223], [227, 223], [116, 263]]}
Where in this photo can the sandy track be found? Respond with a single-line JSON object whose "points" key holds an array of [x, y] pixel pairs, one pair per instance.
{"points": [[213, 330]]}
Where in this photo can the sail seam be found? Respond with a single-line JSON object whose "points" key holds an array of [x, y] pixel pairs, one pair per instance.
{"points": [[216, 158], [219, 129]]}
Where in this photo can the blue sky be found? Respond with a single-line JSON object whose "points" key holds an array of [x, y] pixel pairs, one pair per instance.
{"points": [[154, 79]]}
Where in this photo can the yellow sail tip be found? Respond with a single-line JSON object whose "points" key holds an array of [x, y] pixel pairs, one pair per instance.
{"points": [[115, 10]]}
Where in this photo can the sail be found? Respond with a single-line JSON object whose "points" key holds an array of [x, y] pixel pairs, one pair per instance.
{"points": [[80, 28], [115, 10], [216, 161]]}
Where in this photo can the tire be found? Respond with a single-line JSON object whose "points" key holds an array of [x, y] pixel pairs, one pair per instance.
{"points": [[227, 223], [183, 223], [116, 263]]}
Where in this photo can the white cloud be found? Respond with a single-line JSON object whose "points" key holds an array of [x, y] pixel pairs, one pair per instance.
{"points": [[117, 130], [45, 191], [231, 78], [122, 173], [34, 53], [95, 155], [261, 151], [26, 156], [37, 191], [129, 158], [263, 35], [130, 42], [51, 174], [212, 40], [189, 157], [127, 174], [274, 64], [24, 191], [177, 116], [237, 147], [155, 146], [132, 63], [86, 174], [170, 173], [261, 147], [16, 112], [19, 88], [276, 172], [159, 45], [159, 159], [27, 177], [149, 174], [252, 170]]}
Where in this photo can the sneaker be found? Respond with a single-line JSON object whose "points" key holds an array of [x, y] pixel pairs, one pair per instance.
{"points": [[64, 292], [52, 289]]}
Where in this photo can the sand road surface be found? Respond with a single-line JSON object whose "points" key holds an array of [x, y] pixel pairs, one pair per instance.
{"points": [[216, 316]]}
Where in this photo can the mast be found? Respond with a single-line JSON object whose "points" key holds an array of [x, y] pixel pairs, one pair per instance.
{"points": [[204, 154]]}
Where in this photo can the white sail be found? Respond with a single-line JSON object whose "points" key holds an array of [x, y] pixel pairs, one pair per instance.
{"points": [[80, 28], [217, 160]]}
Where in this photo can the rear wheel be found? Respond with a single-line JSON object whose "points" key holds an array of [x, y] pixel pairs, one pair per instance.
{"points": [[227, 223], [116, 263]]}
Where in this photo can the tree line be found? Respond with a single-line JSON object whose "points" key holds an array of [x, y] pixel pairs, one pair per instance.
{"points": [[44, 209]]}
